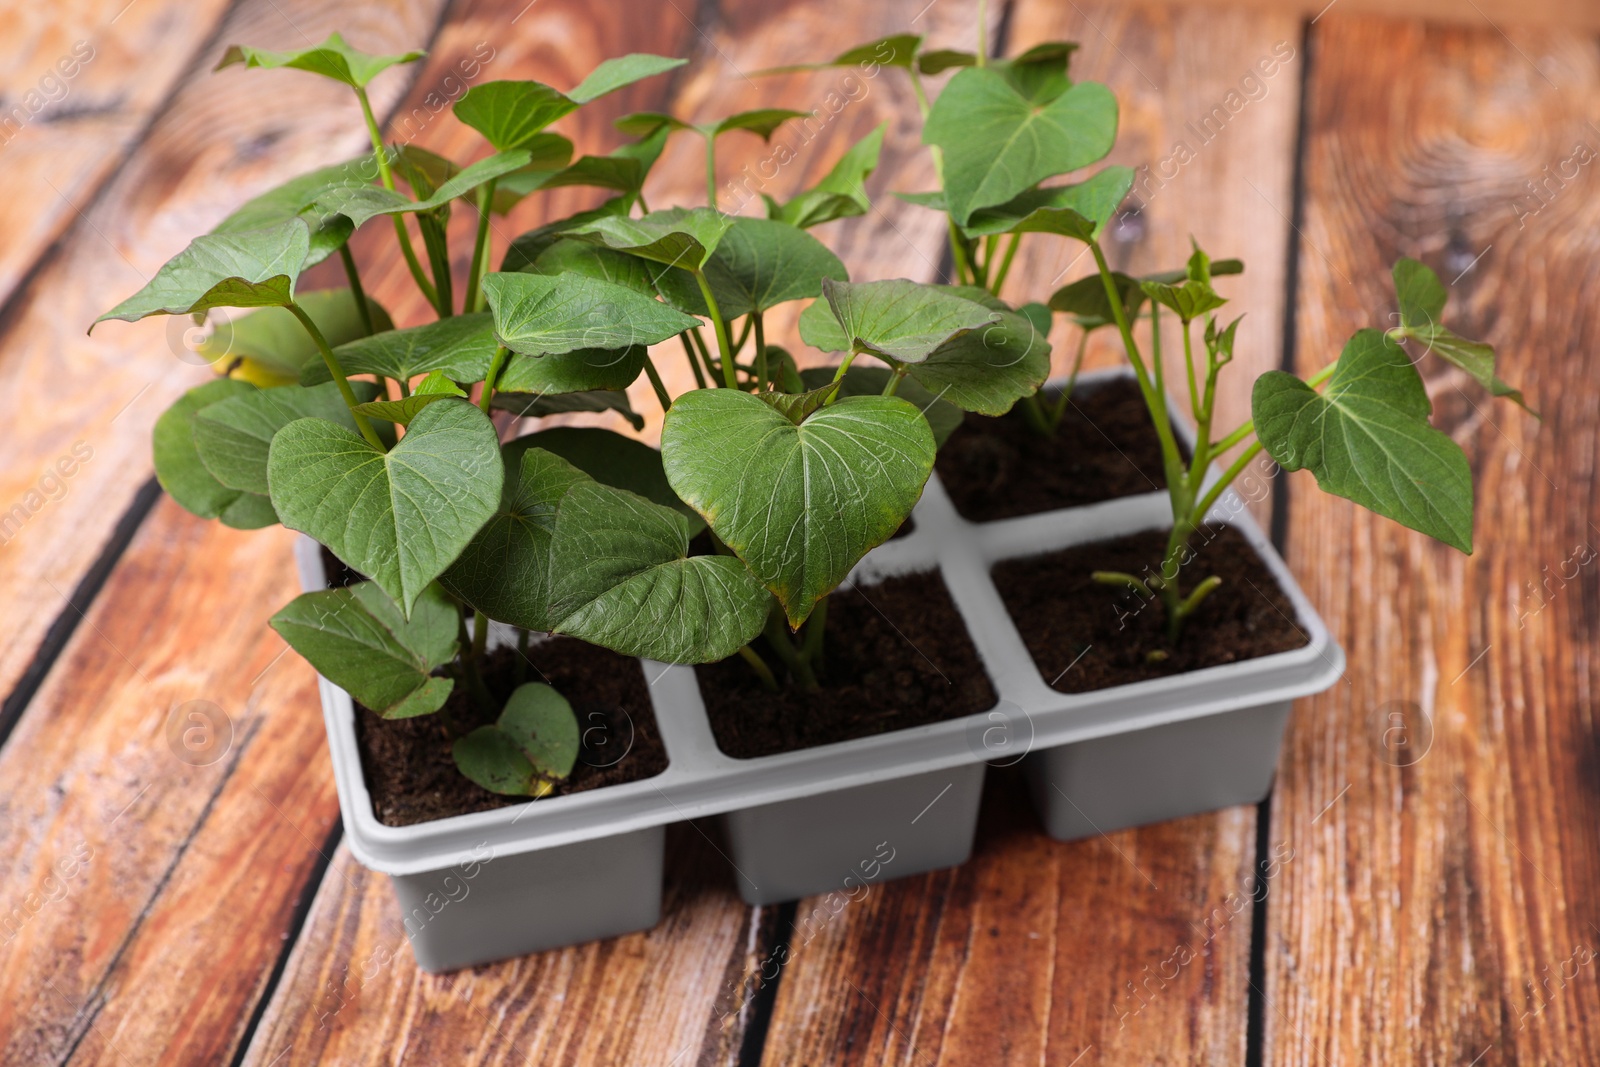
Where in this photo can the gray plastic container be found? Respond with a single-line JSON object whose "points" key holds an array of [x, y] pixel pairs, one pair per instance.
{"points": [[835, 817]]}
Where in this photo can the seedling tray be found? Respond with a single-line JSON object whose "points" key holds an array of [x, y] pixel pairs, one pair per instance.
{"points": [[930, 822]]}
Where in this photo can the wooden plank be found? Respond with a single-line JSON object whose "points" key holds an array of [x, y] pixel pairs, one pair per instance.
{"points": [[165, 795], [80, 81], [1039, 951], [1511, 14], [1128, 948], [217, 143], [1444, 911]]}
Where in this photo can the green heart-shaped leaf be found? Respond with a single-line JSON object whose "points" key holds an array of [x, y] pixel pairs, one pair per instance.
{"points": [[1040, 73], [510, 114], [461, 347], [233, 436], [537, 314], [799, 504], [1367, 439], [997, 142], [758, 264], [595, 261], [252, 268], [990, 369], [1078, 211], [357, 639], [678, 237], [534, 405], [579, 371], [527, 247], [1422, 300], [943, 418], [293, 197], [333, 58], [762, 122], [276, 344], [901, 320], [400, 516], [613, 74], [897, 50], [186, 479]]}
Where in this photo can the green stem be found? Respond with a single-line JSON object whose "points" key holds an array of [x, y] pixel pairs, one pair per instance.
{"points": [[387, 177], [480, 249], [694, 360], [495, 365], [759, 665], [838, 375], [1124, 579], [983, 32], [724, 347], [1196, 401], [711, 171], [1065, 398], [958, 255], [356, 292], [1322, 375], [893, 385], [337, 371], [657, 384], [1005, 264], [1235, 469], [522, 656], [991, 245], [761, 351], [480, 636], [744, 335], [811, 648], [469, 665], [1038, 421], [705, 354], [777, 635], [434, 240], [1248, 428]]}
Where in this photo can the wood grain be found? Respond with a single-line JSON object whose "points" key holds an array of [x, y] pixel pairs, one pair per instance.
{"points": [[78, 84], [217, 142], [1443, 911], [1128, 948], [154, 857], [1038, 951]]}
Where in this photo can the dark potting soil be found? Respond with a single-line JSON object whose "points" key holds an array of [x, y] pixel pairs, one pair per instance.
{"points": [[895, 654], [407, 762], [1085, 636], [999, 468]]}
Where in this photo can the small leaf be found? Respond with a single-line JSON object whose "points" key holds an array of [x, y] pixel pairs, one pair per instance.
{"points": [[939, 60], [534, 405], [989, 369], [608, 457], [943, 418], [799, 504], [579, 371], [490, 758], [357, 639], [595, 261], [510, 114], [678, 237], [278, 347], [1079, 211], [1422, 297], [360, 204], [460, 347], [185, 478], [1040, 73], [762, 122], [232, 436], [1422, 300], [536, 314], [541, 723], [900, 319], [400, 516], [842, 192], [796, 406], [997, 142], [613, 74], [647, 123], [1189, 300], [896, 50], [1367, 439], [252, 268], [333, 58], [433, 388]]}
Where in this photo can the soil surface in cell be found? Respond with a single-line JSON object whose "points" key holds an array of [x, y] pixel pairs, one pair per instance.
{"points": [[895, 655], [1085, 636], [999, 468], [407, 762]]}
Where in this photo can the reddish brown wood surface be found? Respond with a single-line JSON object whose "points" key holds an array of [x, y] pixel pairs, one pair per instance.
{"points": [[1441, 905]]}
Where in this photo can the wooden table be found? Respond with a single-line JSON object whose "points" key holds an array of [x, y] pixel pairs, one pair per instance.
{"points": [[167, 902]]}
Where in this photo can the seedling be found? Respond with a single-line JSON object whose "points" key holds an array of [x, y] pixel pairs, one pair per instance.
{"points": [[383, 444]]}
